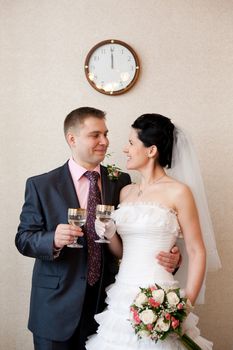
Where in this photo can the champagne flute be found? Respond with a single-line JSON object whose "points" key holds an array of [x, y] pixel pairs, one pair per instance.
{"points": [[103, 213], [76, 217]]}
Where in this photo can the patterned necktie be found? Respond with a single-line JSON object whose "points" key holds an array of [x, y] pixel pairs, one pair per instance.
{"points": [[94, 249]]}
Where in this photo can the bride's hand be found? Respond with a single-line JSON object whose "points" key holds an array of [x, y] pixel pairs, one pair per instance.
{"points": [[189, 305], [103, 229]]}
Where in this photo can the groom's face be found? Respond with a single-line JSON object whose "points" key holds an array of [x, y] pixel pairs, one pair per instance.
{"points": [[89, 142]]}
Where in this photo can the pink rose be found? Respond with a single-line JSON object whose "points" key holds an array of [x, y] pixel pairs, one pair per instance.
{"points": [[180, 306], [136, 317], [153, 288], [175, 323], [153, 303], [168, 316], [149, 326]]}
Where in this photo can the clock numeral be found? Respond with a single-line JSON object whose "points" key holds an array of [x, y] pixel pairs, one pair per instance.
{"points": [[103, 51], [96, 58], [129, 58], [92, 67], [112, 48], [121, 84], [132, 68], [122, 51], [95, 77], [102, 83]]}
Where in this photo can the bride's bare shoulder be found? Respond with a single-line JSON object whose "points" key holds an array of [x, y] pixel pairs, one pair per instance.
{"points": [[179, 189], [125, 192]]}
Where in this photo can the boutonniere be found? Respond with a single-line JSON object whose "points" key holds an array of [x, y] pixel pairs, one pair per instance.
{"points": [[114, 171]]}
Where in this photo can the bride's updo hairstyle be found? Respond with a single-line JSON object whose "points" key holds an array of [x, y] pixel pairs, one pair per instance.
{"points": [[155, 129]]}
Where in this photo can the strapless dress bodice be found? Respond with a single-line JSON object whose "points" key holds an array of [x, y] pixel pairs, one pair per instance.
{"points": [[145, 229]]}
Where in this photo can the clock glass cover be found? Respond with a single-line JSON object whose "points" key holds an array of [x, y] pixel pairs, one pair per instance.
{"points": [[112, 67]]}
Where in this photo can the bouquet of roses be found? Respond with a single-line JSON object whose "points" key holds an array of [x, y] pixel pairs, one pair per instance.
{"points": [[157, 313]]}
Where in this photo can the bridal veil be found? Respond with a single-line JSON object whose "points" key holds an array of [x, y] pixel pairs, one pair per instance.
{"points": [[185, 168]]}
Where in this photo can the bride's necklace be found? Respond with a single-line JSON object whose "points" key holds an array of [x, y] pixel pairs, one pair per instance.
{"points": [[140, 191]]}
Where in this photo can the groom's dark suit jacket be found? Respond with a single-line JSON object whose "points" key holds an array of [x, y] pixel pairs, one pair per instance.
{"points": [[59, 284]]}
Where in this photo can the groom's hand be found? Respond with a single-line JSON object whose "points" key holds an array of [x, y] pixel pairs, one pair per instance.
{"points": [[170, 261], [65, 234]]}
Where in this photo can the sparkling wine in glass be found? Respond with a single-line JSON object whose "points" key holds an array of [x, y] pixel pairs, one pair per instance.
{"points": [[103, 213], [76, 217]]}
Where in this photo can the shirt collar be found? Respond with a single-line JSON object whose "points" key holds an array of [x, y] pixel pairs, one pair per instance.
{"points": [[77, 171]]}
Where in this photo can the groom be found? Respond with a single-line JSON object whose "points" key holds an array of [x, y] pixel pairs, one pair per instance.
{"points": [[63, 300]]}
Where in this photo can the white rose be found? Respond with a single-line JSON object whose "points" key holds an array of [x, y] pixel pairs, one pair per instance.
{"points": [[140, 299], [147, 316], [172, 298], [143, 334], [161, 325], [158, 295]]}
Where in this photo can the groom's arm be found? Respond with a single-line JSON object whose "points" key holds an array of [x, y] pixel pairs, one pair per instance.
{"points": [[33, 239], [170, 261]]}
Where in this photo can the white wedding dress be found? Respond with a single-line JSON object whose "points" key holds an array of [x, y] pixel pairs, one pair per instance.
{"points": [[145, 229]]}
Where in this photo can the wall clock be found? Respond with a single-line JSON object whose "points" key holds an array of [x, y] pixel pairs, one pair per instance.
{"points": [[112, 67]]}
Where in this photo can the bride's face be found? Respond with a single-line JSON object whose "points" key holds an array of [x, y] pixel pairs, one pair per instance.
{"points": [[136, 152]]}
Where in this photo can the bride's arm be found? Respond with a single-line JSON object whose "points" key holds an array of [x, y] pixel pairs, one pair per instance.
{"points": [[190, 226]]}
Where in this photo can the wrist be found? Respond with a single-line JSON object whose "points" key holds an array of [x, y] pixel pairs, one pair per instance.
{"points": [[179, 262], [177, 265], [56, 250], [189, 305], [55, 247]]}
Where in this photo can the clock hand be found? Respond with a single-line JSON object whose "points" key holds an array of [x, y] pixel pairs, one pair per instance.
{"points": [[112, 66], [112, 49]]}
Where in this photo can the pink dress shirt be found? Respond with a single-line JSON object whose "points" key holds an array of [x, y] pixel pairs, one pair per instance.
{"points": [[81, 183]]}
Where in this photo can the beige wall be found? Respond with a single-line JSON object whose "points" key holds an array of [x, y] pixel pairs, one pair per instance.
{"points": [[186, 53]]}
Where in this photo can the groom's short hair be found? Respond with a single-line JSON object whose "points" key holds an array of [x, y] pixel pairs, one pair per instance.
{"points": [[79, 115]]}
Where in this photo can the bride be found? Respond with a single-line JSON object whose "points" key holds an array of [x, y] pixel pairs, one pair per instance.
{"points": [[153, 214]]}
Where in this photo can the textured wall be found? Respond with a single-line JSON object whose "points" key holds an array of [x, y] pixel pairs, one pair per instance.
{"points": [[186, 53]]}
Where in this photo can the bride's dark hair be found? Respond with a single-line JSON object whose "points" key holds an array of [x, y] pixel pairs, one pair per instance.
{"points": [[155, 129]]}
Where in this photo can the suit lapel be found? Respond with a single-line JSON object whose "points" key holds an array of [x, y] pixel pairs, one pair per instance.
{"points": [[67, 189], [107, 186]]}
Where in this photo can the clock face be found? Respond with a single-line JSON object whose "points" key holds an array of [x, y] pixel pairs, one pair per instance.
{"points": [[112, 67]]}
